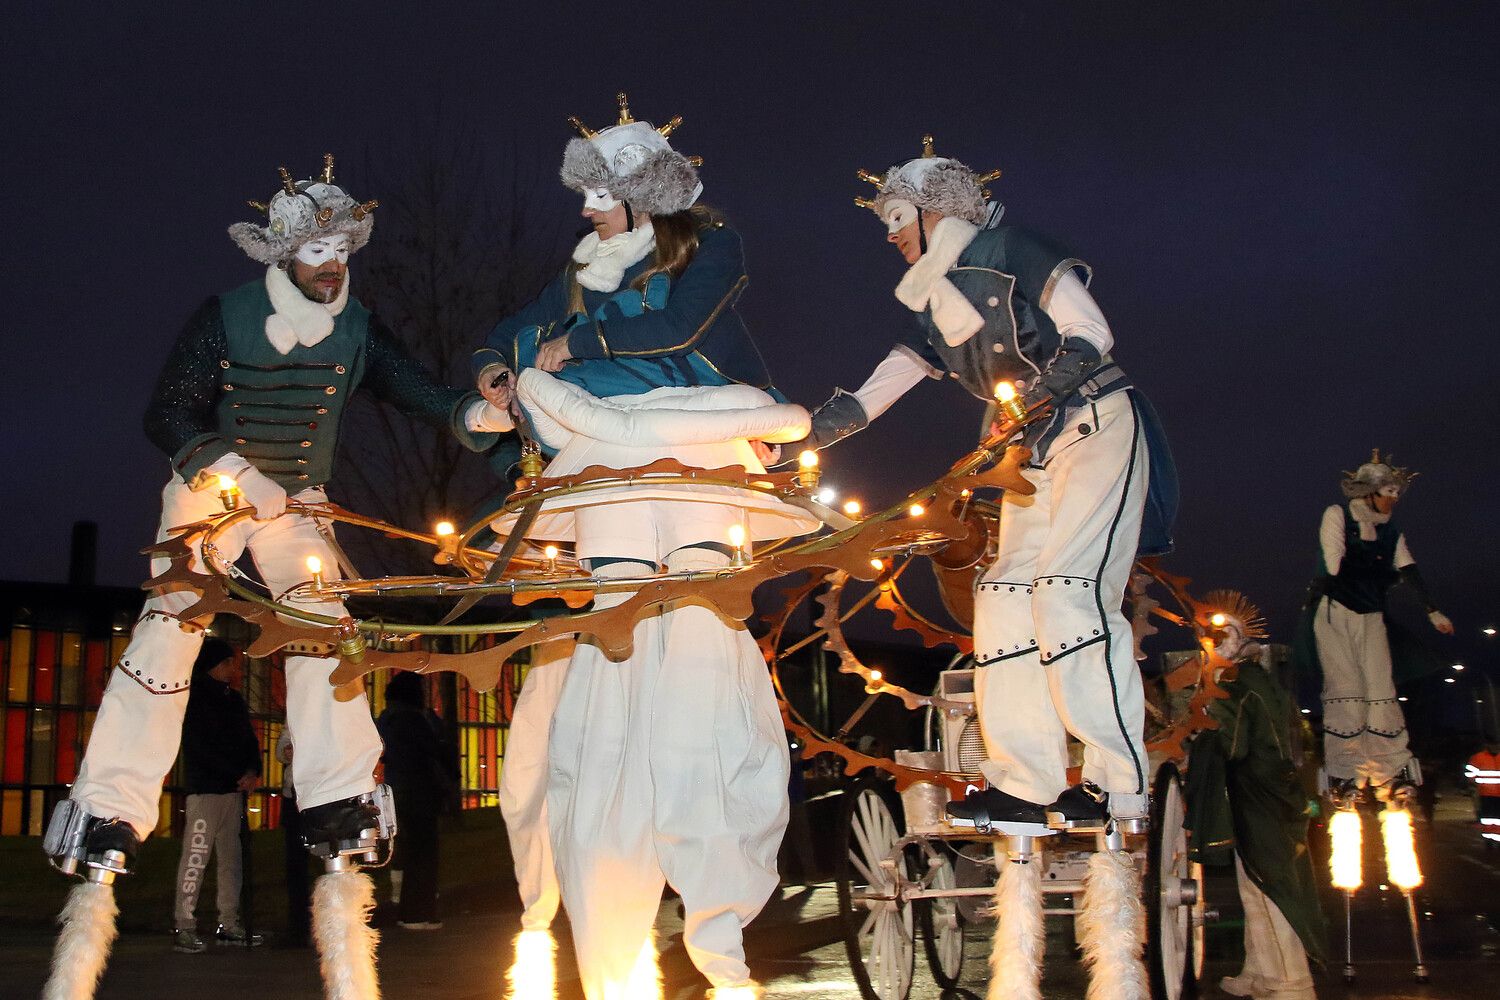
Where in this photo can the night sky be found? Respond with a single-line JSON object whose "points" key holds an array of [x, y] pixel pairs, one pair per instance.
{"points": [[1290, 214]]}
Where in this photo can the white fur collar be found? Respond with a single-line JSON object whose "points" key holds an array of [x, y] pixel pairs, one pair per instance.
{"points": [[603, 263], [298, 319], [1367, 517], [925, 285]]}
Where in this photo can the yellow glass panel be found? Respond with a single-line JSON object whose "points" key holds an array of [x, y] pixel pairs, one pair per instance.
{"points": [[38, 813], [117, 644], [19, 686], [10, 812], [70, 678]]}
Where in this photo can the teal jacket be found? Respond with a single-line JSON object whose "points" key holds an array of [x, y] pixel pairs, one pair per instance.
{"points": [[682, 332]]}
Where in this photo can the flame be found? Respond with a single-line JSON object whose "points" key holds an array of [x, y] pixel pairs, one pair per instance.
{"points": [[808, 459], [443, 529], [852, 507], [916, 510], [550, 552], [314, 565], [645, 978], [746, 992], [226, 484], [1344, 865], [533, 973], [1005, 392], [1219, 620], [737, 535], [1400, 849]]}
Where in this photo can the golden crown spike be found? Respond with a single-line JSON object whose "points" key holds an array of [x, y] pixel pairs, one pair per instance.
{"points": [[670, 127], [327, 168], [993, 175], [582, 129], [259, 206], [869, 178], [358, 212], [927, 151], [696, 161], [286, 181], [624, 102], [865, 202]]}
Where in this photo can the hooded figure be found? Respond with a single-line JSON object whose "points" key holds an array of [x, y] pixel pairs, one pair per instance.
{"points": [[670, 766]]}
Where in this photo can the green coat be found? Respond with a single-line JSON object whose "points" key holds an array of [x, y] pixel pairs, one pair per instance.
{"points": [[1244, 796]]}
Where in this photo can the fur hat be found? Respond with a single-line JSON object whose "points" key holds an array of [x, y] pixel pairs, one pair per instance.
{"points": [[634, 162], [1376, 476], [932, 183], [301, 211]]}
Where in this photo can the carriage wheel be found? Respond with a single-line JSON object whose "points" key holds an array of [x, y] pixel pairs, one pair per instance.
{"points": [[942, 924], [1173, 936], [871, 869]]}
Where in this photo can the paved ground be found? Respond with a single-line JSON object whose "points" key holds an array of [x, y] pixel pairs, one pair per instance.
{"points": [[799, 954]]}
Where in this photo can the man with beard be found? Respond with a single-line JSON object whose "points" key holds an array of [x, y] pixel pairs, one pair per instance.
{"points": [[254, 391]]}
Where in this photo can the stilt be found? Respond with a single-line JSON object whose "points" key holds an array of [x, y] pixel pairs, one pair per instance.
{"points": [[343, 900], [84, 942], [1111, 922], [1020, 930]]}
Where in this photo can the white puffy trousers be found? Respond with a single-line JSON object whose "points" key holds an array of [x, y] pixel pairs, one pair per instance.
{"points": [[139, 726], [523, 783], [1054, 648], [1364, 729], [669, 766], [1275, 960]]}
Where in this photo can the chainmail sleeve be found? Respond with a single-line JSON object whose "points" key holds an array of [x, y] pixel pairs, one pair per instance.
{"points": [[180, 417], [397, 378]]}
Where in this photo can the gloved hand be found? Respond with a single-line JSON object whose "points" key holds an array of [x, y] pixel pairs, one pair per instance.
{"points": [[835, 420], [1074, 363], [497, 385], [1317, 590], [261, 492]]}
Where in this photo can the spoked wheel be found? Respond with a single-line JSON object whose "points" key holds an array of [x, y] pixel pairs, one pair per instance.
{"points": [[1172, 888], [942, 924], [871, 870]]}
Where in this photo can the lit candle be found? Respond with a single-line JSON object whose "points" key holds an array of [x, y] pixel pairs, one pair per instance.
{"points": [[1010, 403], [315, 567], [807, 474], [737, 540], [852, 508], [916, 510], [443, 529], [551, 553], [1219, 620], [229, 493], [878, 565]]}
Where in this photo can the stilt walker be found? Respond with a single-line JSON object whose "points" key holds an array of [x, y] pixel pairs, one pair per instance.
{"points": [[1363, 554], [670, 766], [1005, 311], [248, 409]]}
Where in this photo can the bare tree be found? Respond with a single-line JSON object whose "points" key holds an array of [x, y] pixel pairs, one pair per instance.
{"points": [[460, 243]]}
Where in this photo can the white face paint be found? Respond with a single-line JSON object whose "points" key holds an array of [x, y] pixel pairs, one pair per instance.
{"points": [[599, 199], [1394, 492], [899, 214], [316, 252]]}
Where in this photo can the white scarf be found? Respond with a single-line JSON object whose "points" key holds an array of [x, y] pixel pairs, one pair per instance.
{"points": [[603, 263], [925, 284], [1367, 517], [298, 319]]}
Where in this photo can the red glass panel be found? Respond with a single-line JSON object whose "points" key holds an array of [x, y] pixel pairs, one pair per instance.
{"points": [[15, 746], [95, 658], [44, 681], [67, 746]]}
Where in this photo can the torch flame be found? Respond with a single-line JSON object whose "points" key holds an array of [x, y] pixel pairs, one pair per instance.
{"points": [[1344, 865], [1400, 849], [533, 974], [443, 529], [1005, 392], [226, 484]]}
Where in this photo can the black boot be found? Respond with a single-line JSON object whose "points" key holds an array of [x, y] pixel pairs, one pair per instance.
{"points": [[990, 809], [348, 826], [1083, 805], [111, 844]]}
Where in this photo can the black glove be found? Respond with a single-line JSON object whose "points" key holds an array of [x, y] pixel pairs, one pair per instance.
{"points": [[1317, 590], [836, 419], [1074, 363]]}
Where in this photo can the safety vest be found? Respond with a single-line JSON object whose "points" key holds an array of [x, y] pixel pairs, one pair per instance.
{"points": [[1484, 770]]}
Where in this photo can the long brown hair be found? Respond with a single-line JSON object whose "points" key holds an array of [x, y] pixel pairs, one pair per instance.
{"points": [[677, 241]]}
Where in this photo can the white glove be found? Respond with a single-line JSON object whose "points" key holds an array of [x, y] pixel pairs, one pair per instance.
{"points": [[1441, 622], [487, 417], [261, 492]]}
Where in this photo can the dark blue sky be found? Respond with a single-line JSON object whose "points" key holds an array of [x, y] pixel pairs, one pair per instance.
{"points": [[1290, 213]]}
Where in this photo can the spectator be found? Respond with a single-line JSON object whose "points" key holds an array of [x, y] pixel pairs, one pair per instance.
{"points": [[298, 929], [422, 775], [221, 758], [1484, 770]]}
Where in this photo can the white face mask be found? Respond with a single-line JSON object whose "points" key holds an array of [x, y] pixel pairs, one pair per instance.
{"points": [[899, 214], [316, 252], [599, 199], [1394, 492]]}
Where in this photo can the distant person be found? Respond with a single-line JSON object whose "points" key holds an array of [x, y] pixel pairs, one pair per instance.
{"points": [[221, 761], [1363, 555], [421, 773], [298, 913], [1484, 770]]}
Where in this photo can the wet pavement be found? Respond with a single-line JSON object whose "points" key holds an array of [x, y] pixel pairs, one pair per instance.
{"points": [[798, 952]]}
